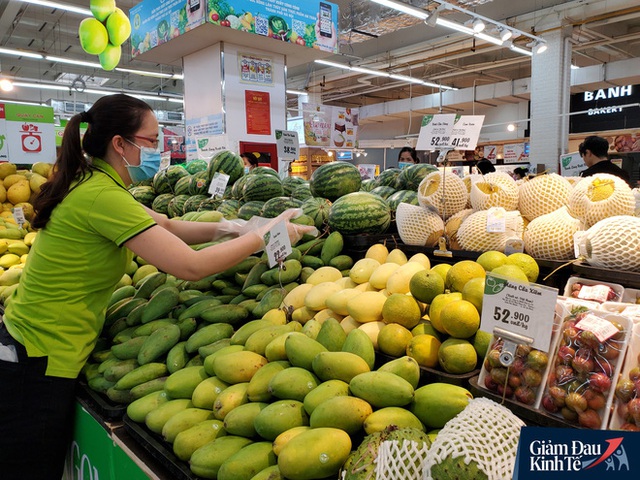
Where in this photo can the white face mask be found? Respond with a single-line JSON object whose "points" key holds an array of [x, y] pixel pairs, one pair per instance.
{"points": [[149, 163]]}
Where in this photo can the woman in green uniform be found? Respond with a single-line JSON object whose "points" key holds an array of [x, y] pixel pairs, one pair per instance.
{"points": [[90, 228]]}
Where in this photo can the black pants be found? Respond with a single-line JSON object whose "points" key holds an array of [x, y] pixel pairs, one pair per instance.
{"points": [[36, 417]]}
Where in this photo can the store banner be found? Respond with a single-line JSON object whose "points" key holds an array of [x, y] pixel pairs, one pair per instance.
{"points": [[515, 153], [344, 123], [311, 24], [575, 453], [611, 108], [490, 152], [317, 124], [29, 134], [571, 164], [208, 146], [435, 131]]}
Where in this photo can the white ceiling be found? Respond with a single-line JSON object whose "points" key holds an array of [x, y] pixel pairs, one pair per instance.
{"points": [[602, 32]]}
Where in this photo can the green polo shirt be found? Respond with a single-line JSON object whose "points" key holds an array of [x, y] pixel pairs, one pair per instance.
{"points": [[59, 307]]}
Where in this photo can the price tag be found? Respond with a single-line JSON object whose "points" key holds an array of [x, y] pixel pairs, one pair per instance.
{"points": [[527, 309], [465, 132], [218, 184], [18, 216], [496, 220], [277, 244], [513, 245], [287, 144], [601, 328], [435, 132], [598, 293]]}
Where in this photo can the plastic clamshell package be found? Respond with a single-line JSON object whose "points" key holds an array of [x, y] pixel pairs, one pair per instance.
{"points": [[618, 289], [595, 376], [632, 360]]}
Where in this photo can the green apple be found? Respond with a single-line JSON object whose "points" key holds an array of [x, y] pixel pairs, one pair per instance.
{"points": [[119, 27], [101, 9], [93, 36], [110, 58]]}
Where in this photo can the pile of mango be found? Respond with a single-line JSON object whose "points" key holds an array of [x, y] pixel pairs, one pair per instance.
{"points": [[248, 373]]}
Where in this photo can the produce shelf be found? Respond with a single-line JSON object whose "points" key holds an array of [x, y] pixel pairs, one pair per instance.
{"points": [[99, 403]]}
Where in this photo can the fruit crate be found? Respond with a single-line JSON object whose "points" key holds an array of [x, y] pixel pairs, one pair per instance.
{"points": [[432, 375], [99, 403], [159, 450]]}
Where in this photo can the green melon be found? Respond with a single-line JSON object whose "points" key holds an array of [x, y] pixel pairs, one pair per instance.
{"points": [[276, 205], [261, 187], [402, 196], [250, 209], [228, 163], [359, 212], [289, 184], [335, 179], [195, 166], [388, 177], [318, 209], [176, 206], [411, 176], [161, 183], [161, 203], [193, 203], [144, 195], [229, 208], [383, 191]]}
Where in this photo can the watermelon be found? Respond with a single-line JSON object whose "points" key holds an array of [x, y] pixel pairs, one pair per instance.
{"points": [[161, 202], [199, 184], [388, 177], [335, 179], [229, 208], [176, 206], [318, 209], [175, 173], [195, 166], [261, 187], [359, 212], [367, 185], [144, 194], [289, 184], [411, 176], [402, 196], [237, 187], [275, 206], [383, 191], [161, 182], [209, 204], [147, 182], [193, 203], [263, 171], [302, 192], [250, 209], [228, 163], [181, 187]]}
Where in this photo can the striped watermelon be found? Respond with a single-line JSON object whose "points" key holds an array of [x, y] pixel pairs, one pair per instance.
{"points": [[302, 192], [209, 204], [199, 183], [161, 182], [402, 196], [388, 177], [237, 187], [384, 191], [161, 202], [318, 209], [275, 206], [145, 195], [193, 203], [176, 206], [411, 176], [229, 208], [250, 209], [367, 185], [359, 212], [175, 173], [181, 187], [261, 187], [289, 184], [195, 166], [263, 171], [228, 163], [332, 180]]}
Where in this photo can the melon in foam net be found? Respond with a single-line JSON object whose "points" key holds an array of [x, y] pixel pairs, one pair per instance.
{"points": [[494, 190], [543, 194], [418, 226], [445, 193], [613, 243], [550, 236], [473, 235], [600, 196]]}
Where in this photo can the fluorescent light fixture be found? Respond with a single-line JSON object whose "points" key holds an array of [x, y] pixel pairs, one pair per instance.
{"points": [[333, 64], [368, 71], [20, 53], [176, 100], [61, 6], [521, 50], [405, 78], [6, 85], [478, 25], [145, 73], [489, 38], [404, 8], [42, 86], [70, 61], [540, 47], [574, 67], [296, 92], [443, 22], [19, 102]]}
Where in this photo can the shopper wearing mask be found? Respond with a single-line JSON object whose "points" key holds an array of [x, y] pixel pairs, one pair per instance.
{"points": [[250, 161], [90, 228], [594, 153], [408, 154]]}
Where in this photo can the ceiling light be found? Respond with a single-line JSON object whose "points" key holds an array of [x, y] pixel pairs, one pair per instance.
{"points": [[540, 47], [521, 50], [405, 78], [6, 85], [333, 64], [20, 53], [145, 73], [504, 34], [511, 127], [404, 8], [3, 100], [70, 61], [478, 25], [454, 26], [574, 67], [369, 71], [296, 92], [489, 38], [61, 6]]}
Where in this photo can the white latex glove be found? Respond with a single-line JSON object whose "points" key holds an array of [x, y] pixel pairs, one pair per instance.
{"points": [[230, 228], [260, 226]]}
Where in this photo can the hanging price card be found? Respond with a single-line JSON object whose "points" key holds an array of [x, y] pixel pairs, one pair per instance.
{"points": [[527, 309], [218, 184], [287, 144], [435, 132], [465, 132], [277, 244]]}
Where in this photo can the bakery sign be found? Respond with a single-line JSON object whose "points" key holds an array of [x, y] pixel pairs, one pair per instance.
{"points": [[611, 108]]}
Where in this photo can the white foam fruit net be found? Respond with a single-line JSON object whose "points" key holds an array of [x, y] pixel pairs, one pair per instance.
{"points": [[401, 460], [418, 225], [600, 196], [636, 195], [543, 194], [472, 234], [485, 433], [550, 236], [446, 193], [496, 189], [613, 243], [453, 224]]}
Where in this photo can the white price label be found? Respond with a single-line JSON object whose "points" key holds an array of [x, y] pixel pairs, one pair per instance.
{"points": [[496, 220], [601, 328], [218, 184], [527, 309], [287, 144], [513, 245], [277, 244], [465, 132], [435, 131], [18, 215]]}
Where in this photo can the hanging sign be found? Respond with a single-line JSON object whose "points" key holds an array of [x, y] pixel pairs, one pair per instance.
{"points": [[435, 132], [490, 153], [287, 144], [466, 131], [27, 134], [208, 145], [527, 309], [571, 164], [514, 153]]}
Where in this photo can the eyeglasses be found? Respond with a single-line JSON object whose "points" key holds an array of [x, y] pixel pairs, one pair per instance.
{"points": [[153, 141]]}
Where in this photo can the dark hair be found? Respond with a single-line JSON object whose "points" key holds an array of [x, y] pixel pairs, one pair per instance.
{"points": [[521, 171], [252, 158], [111, 115], [485, 166], [596, 145], [412, 151]]}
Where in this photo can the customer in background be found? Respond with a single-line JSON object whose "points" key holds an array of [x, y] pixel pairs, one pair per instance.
{"points": [[520, 172], [484, 166], [408, 154], [250, 161], [594, 151]]}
